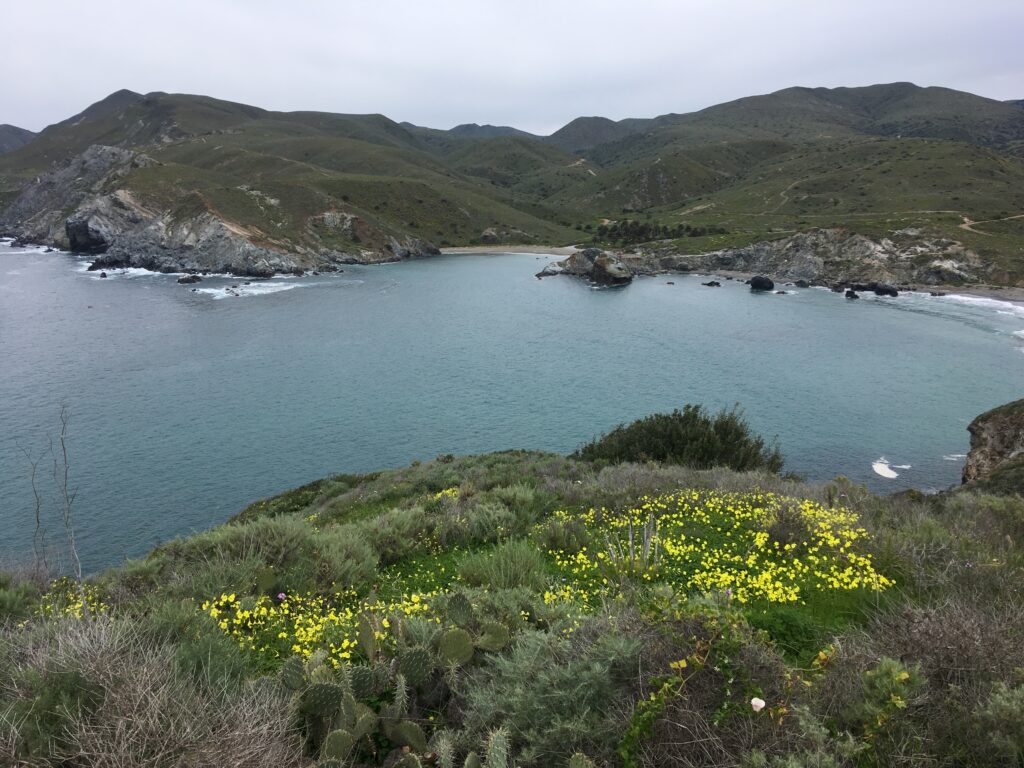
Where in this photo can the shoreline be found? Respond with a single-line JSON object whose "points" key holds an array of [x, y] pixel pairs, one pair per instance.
{"points": [[541, 250], [1008, 293]]}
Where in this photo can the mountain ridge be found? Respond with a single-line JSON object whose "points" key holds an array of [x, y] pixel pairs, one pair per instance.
{"points": [[876, 159]]}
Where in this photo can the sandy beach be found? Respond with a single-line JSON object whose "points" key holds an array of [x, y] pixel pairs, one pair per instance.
{"points": [[545, 250]]}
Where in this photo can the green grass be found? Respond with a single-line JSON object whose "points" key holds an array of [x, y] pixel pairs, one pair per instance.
{"points": [[411, 545]]}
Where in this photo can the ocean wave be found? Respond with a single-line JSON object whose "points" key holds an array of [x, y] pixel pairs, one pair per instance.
{"points": [[253, 289], [999, 305], [123, 273], [954, 456], [881, 467]]}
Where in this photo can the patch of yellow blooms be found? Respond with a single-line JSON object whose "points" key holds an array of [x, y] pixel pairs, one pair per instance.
{"points": [[302, 624], [755, 547]]}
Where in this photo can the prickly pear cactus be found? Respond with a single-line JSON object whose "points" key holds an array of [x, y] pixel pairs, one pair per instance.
{"points": [[338, 745], [400, 702], [366, 637], [363, 683], [494, 637], [472, 761], [579, 760], [498, 749], [459, 610], [322, 699], [406, 733], [293, 674], [365, 722], [444, 749], [409, 760], [416, 665], [456, 647]]}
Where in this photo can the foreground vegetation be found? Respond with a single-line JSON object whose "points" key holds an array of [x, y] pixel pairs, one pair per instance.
{"points": [[529, 609]]}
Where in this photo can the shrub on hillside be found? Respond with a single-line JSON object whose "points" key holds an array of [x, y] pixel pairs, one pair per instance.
{"points": [[512, 564], [690, 437], [99, 693], [556, 695]]}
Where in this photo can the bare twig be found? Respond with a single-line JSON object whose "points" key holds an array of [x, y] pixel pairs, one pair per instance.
{"points": [[40, 564], [61, 475]]}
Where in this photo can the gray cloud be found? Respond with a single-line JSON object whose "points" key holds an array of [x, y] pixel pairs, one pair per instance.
{"points": [[529, 63]]}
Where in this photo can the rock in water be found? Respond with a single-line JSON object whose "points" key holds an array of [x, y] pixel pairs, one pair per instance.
{"points": [[802, 284], [592, 264], [851, 294], [712, 284], [883, 289], [761, 283], [186, 279]]}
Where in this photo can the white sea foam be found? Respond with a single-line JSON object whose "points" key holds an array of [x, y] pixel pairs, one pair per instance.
{"points": [[954, 456], [1007, 307], [1019, 334], [125, 273], [883, 468], [253, 289]]}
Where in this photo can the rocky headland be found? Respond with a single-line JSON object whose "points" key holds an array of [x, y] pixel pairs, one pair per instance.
{"points": [[84, 206], [835, 258], [996, 458], [832, 257]]}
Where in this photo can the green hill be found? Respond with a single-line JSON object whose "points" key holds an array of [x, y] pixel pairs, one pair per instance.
{"points": [[875, 160], [12, 137]]}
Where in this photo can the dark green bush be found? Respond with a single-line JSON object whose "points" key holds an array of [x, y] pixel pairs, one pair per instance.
{"points": [[690, 437]]}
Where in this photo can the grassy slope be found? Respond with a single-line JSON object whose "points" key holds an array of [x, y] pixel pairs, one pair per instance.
{"points": [[435, 526]]}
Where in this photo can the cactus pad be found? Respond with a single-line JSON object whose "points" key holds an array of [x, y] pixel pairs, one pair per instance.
{"points": [[459, 610], [494, 638], [456, 647], [338, 744], [416, 665], [363, 683], [293, 674], [366, 637], [406, 733], [323, 699]]}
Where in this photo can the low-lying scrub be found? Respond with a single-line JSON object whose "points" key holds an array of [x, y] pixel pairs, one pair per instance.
{"points": [[534, 610]]}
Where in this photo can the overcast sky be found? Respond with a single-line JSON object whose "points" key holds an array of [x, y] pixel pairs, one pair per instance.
{"points": [[534, 64]]}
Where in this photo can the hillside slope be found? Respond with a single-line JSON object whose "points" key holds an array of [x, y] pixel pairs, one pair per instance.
{"points": [[12, 137], [215, 184], [542, 610]]}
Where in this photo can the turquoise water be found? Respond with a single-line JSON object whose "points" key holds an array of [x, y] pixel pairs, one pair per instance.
{"points": [[185, 406]]}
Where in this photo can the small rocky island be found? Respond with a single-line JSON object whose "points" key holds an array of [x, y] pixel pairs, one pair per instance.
{"points": [[593, 264]]}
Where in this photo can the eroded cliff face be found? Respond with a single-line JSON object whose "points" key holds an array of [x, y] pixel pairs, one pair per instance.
{"points": [[833, 256], [997, 442], [85, 206]]}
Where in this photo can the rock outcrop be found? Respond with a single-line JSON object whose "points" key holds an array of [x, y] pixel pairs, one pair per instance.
{"points": [[109, 220], [831, 256], [592, 264], [997, 444], [761, 283]]}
